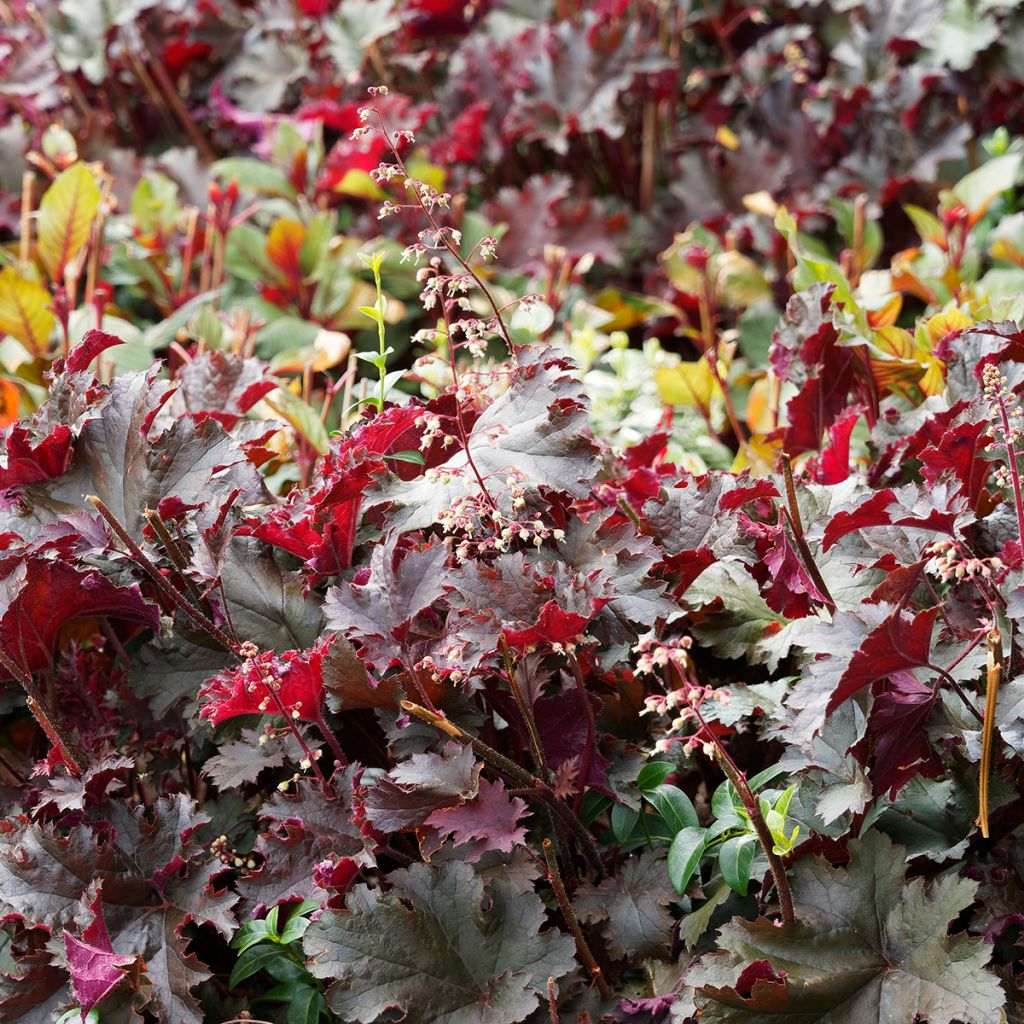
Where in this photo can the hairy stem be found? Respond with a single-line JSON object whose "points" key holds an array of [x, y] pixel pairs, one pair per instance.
{"points": [[517, 774], [443, 238], [993, 677], [163, 585], [588, 750], [524, 708], [555, 878]]}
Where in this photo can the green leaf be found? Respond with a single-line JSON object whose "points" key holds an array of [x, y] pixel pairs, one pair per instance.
{"points": [[684, 855], [294, 929], [762, 778], [254, 960], [977, 189], [653, 774], [251, 933], [735, 860], [624, 820], [441, 947], [65, 217], [255, 176], [632, 907], [302, 416], [867, 948], [415, 458], [305, 1006], [674, 806]]}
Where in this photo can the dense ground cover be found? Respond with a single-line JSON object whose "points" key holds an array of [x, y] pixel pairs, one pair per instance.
{"points": [[511, 512]]}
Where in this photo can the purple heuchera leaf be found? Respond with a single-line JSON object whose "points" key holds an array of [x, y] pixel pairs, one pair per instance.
{"points": [[488, 822], [94, 966]]}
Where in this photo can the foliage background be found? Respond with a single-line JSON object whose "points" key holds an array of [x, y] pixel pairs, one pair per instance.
{"points": [[679, 502]]}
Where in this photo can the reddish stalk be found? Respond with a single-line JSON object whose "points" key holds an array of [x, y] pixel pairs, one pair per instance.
{"points": [[460, 423], [588, 750], [753, 808], [993, 677], [442, 237], [555, 878]]}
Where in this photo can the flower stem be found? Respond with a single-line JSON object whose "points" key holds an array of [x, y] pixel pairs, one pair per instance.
{"points": [[555, 878], [517, 774], [167, 589], [994, 676], [588, 750]]}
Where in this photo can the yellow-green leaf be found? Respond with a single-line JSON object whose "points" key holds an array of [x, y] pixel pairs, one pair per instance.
{"points": [[687, 384], [65, 217], [25, 311]]}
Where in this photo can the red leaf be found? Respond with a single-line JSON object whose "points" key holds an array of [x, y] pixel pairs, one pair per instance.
{"points": [[92, 344], [43, 596], [898, 644], [553, 626], [94, 966], [490, 821], [291, 684], [896, 745], [780, 572], [30, 460], [888, 508], [833, 467]]}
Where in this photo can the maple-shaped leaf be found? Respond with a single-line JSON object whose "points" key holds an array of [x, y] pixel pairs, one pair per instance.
{"points": [[94, 966], [537, 429], [575, 77], [32, 987], [303, 829], [937, 510], [692, 520], [72, 793], [554, 626], [416, 788], [399, 586], [222, 385], [118, 459], [40, 596], [619, 566], [736, 620], [783, 577], [490, 821], [152, 885], [242, 760], [547, 210], [858, 650], [633, 907], [441, 947], [318, 524], [867, 947]]}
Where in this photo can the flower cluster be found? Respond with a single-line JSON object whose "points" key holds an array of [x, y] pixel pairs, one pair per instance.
{"points": [[950, 563], [476, 525], [289, 685]]}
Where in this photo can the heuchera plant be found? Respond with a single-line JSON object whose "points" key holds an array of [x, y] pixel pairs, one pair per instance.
{"points": [[467, 714]]}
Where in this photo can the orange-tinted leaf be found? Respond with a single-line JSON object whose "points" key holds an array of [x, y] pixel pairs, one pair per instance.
{"points": [[284, 246], [65, 218], [25, 310], [9, 401], [887, 314]]}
